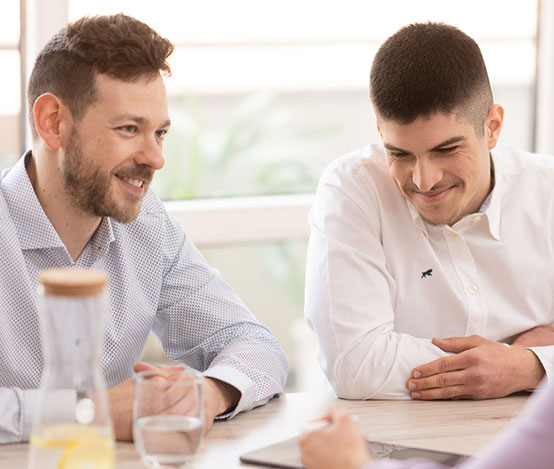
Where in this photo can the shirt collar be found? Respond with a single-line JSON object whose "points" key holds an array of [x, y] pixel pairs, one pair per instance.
{"points": [[417, 219], [34, 229], [101, 239], [492, 204], [33, 226], [490, 207]]}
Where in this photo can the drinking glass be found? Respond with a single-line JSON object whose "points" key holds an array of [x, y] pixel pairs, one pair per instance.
{"points": [[168, 416]]}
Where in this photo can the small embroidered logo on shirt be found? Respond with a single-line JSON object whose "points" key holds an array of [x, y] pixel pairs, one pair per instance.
{"points": [[427, 273]]}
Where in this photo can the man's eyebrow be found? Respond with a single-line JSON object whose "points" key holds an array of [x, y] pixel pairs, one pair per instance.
{"points": [[450, 141], [390, 147], [137, 119]]}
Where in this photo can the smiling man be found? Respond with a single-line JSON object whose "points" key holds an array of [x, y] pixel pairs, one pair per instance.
{"points": [[81, 198], [431, 257]]}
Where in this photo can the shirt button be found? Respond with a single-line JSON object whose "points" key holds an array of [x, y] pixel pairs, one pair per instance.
{"points": [[454, 236], [473, 289], [476, 218]]}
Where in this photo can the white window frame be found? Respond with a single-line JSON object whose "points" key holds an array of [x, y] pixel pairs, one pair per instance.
{"points": [[544, 99], [240, 220], [224, 221]]}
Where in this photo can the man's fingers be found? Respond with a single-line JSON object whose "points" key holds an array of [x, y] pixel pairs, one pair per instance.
{"points": [[453, 392], [441, 380], [171, 367], [141, 366], [441, 365], [458, 344]]}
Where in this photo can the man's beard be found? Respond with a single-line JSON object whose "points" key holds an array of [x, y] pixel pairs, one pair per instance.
{"points": [[88, 187]]}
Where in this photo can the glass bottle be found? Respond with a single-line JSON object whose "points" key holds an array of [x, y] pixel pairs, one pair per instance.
{"points": [[72, 426]]}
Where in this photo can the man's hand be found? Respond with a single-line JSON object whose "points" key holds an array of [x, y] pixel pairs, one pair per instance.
{"points": [[481, 369], [219, 397], [340, 445], [121, 399], [540, 335]]}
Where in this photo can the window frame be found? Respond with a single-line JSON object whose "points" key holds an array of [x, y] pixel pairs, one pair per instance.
{"points": [[544, 79]]}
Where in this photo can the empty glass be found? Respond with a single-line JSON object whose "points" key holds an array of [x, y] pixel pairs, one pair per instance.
{"points": [[168, 416]]}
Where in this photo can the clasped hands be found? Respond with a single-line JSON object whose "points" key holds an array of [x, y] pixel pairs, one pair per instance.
{"points": [[481, 368], [219, 398]]}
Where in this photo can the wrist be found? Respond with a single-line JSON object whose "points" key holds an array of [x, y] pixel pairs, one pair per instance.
{"points": [[221, 397], [535, 370]]}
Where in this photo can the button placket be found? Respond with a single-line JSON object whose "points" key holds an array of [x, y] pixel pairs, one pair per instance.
{"points": [[464, 265]]}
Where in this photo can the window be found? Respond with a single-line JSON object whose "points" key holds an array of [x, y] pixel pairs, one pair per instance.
{"points": [[10, 94], [265, 94]]}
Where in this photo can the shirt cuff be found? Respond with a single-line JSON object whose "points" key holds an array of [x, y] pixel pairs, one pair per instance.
{"points": [[241, 382], [58, 408]]}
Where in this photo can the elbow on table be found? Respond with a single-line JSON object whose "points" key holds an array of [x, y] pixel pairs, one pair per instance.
{"points": [[354, 384], [353, 381], [347, 391]]}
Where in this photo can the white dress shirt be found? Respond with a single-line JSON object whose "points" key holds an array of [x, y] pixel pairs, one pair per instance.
{"points": [[381, 282], [157, 281]]}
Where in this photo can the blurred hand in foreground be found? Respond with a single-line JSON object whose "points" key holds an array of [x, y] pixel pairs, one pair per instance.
{"points": [[338, 445]]}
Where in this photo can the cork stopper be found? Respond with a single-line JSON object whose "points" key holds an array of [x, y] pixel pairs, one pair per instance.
{"points": [[73, 282]]}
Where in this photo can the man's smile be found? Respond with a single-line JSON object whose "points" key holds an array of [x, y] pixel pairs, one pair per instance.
{"points": [[433, 196], [136, 183]]}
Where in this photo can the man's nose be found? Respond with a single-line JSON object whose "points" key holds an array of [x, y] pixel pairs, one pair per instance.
{"points": [[426, 174], [151, 154]]}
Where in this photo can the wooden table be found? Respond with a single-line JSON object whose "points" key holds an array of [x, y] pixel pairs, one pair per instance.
{"points": [[455, 426]]}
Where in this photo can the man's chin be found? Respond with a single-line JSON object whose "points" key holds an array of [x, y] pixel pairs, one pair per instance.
{"points": [[438, 219], [125, 217], [121, 214]]}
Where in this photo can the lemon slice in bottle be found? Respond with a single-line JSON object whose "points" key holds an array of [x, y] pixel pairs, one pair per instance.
{"points": [[94, 451], [84, 447]]}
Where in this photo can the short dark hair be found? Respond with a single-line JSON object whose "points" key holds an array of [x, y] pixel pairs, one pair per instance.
{"points": [[116, 45], [429, 68]]}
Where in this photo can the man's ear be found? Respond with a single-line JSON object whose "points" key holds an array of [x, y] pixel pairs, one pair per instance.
{"points": [[52, 120], [379, 129], [493, 125]]}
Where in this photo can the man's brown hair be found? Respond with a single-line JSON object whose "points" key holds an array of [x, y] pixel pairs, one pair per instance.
{"points": [[117, 45], [429, 68]]}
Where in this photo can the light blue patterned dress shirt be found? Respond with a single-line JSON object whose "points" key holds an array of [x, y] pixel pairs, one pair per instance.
{"points": [[157, 281]]}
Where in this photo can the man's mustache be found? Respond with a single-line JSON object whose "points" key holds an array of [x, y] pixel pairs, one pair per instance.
{"points": [[436, 188], [143, 172]]}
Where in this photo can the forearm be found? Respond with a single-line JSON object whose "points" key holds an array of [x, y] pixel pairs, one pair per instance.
{"points": [[378, 365]]}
